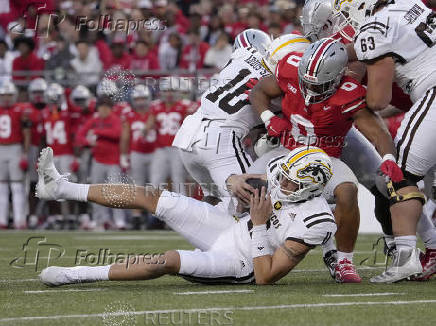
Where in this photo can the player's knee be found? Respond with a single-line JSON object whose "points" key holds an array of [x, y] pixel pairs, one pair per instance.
{"points": [[346, 195], [171, 262]]}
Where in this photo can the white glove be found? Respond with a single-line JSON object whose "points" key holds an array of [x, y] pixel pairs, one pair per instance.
{"points": [[124, 162]]}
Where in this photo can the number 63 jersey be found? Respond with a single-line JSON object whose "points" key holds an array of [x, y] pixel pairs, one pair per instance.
{"points": [[406, 31], [226, 98], [322, 124]]}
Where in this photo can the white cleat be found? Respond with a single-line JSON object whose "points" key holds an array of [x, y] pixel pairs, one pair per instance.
{"points": [[48, 177], [405, 264], [55, 276]]}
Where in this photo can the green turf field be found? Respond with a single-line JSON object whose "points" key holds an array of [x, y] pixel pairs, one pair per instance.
{"points": [[307, 296]]}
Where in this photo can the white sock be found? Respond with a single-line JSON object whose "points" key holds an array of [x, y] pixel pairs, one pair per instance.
{"points": [[74, 191], [405, 242], [390, 240], [92, 274], [18, 203], [345, 255], [4, 203], [330, 245]]}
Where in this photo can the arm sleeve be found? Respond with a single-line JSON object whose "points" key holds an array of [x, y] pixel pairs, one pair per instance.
{"points": [[376, 40]]}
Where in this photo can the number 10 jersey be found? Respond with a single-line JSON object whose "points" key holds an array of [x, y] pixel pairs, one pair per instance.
{"points": [[226, 98]]}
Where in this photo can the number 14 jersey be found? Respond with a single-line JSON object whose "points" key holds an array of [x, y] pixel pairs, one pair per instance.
{"points": [[323, 124], [226, 99]]}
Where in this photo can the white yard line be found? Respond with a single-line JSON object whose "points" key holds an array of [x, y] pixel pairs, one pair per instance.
{"points": [[19, 280], [65, 290], [172, 237], [245, 308], [214, 292], [364, 294]]}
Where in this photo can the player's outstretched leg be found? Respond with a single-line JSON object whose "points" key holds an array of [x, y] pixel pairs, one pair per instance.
{"points": [[133, 268], [54, 186]]}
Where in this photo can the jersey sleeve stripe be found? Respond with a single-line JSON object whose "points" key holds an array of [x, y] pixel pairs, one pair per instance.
{"points": [[351, 108], [300, 241], [316, 215], [327, 220]]}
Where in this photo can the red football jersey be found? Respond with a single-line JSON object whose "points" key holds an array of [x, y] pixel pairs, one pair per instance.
{"points": [[141, 140], [35, 117], [10, 125], [108, 131], [121, 108], [168, 120], [57, 130], [323, 124], [78, 116]]}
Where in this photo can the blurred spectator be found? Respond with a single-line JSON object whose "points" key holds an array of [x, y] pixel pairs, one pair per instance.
{"points": [[143, 59], [27, 61], [6, 58], [194, 52], [120, 58], [275, 30], [170, 52], [218, 55], [87, 65], [58, 66], [214, 30]]}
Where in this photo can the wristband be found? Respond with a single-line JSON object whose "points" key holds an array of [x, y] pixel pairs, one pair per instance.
{"points": [[389, 157], [266, 116], [259, 242]]}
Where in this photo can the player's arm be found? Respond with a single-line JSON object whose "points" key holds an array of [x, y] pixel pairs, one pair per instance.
{"points": [[270, 267], [26, 124], [124, 144], [373, 128], [238, 186], [380, 78], [260, 97]]}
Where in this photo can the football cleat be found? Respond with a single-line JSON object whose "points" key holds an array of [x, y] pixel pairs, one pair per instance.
{"points": [[345, 272], [405, 264], [56, 276], [428, 263], [48, 177], [330, 260]]}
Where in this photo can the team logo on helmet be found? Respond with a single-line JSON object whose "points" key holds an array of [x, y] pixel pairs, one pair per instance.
{"points": [[316, 171]]}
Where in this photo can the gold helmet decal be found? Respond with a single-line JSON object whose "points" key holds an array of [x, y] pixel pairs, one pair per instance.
{"points": [[316, 171]]}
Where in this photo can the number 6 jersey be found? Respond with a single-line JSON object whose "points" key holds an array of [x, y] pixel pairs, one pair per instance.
{"points": [[323, 124], [406, 31]]}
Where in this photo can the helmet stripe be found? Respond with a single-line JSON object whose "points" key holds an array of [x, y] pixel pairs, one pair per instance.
{"points": [[305, 152], [317, 55], [242, 40], [295, 40]]}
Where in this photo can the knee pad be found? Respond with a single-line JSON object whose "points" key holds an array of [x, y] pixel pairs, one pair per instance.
{"points": [[394, 197], [382, 211]]}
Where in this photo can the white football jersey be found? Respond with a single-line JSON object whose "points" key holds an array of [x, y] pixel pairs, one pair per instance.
{"points": [[226, 99], [310, 222], [405, 30]]}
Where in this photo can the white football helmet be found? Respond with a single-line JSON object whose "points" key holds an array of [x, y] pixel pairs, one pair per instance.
{"points": [[55, 94], [310, 168], [321, 69], [36, 90], [8, 94], [253, 38], [319, 20], [280, 47], [140, 96], [354, 11], [80, 96]]}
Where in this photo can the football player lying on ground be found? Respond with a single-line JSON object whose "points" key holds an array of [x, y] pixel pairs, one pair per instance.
{"points": [[262, 246]]}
